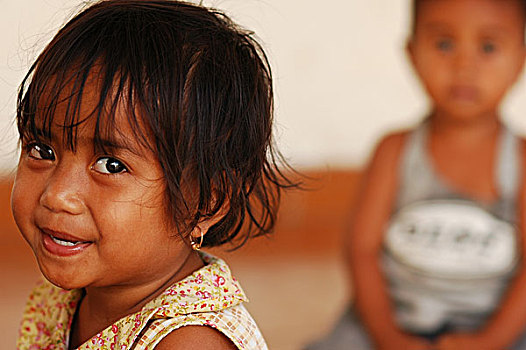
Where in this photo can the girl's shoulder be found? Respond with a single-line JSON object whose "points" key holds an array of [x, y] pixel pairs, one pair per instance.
{"points": [[196, 337], [387, 152], [47, 316], [231, 328]]}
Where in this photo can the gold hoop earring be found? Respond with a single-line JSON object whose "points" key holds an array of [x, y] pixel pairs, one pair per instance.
{"points": [[197, 245]]}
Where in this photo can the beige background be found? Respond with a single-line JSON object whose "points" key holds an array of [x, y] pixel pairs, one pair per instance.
{"points": [[341, 75]]}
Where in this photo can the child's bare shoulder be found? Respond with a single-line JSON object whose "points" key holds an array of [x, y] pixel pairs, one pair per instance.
{"points": [[389, 148], [196, 338]]}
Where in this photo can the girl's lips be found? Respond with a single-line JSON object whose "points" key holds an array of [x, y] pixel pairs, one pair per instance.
{"points": [[63, 236], [62, 244], [464, 93]]}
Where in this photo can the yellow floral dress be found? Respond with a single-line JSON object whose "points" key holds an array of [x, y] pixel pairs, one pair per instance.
{"points": [[211, 296]]}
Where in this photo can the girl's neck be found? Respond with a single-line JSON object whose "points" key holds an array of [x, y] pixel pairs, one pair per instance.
{"points": [[102, 306], [464, 130]]}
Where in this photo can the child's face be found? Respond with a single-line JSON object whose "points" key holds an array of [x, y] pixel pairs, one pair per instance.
{"points": [[468, 53], [112, 203]]}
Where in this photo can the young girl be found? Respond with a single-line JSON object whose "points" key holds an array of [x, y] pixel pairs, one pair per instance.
{"points": [[437, 241], [146, 134]]}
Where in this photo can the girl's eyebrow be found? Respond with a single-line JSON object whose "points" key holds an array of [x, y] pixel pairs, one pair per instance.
{"points": [[494, 32], [116, 144], [37, 133], [437, 27]]}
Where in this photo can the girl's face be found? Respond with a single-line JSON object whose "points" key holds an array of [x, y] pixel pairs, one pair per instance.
{"points": [[95, 219], [468, 53]]}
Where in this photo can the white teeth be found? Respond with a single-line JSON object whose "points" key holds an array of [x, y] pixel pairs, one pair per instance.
{"points": [[64, 243]]}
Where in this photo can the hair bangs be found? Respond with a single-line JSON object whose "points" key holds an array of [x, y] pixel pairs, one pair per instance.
{"points": [[68, 70]]}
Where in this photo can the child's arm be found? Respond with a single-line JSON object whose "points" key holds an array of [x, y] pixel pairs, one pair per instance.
{"points": [[195, 338], [364, 245]]}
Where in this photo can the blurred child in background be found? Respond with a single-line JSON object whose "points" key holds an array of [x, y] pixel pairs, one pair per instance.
{"points": [[437, 240]]}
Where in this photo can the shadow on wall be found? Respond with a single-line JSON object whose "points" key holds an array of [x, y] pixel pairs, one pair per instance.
{"points": [[296, 272]]}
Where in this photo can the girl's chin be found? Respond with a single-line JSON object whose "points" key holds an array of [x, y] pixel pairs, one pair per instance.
{"points": [[63, 280]]}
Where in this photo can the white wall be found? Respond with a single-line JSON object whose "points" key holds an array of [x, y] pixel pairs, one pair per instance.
{"points": [[341, 75]]}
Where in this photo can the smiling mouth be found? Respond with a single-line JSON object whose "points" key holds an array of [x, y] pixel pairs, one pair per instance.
{"points": [[62, 237], [464, 93], [66, 243], [63, 244]]}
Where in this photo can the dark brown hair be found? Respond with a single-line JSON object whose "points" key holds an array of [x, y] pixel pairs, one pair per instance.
{"points": [[200, 84]]}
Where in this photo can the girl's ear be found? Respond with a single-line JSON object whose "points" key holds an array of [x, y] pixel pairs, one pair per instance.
{"points": [[520, 65], [202, 227], [204, 224], [409, 50]]}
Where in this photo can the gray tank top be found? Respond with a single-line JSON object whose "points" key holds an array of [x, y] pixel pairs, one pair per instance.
{"points": [[447, 257]]}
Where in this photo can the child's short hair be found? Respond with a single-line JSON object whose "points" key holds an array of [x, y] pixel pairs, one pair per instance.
{"points": [[200, 84], [416, 5]]}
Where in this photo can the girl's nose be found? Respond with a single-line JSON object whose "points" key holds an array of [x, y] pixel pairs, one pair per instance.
{"points": [[64, 191], [466, 61]]}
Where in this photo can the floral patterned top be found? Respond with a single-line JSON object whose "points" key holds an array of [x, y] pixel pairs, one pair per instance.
{"points": [[210, 296]]}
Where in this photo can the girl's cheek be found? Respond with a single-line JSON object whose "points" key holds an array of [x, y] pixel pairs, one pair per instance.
{"points": [[20, 204], [26, 189]]}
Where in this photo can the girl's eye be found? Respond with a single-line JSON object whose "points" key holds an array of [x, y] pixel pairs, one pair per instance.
{"points": [[444, 45], [109, 165], [40, 151], [488, 47]]}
